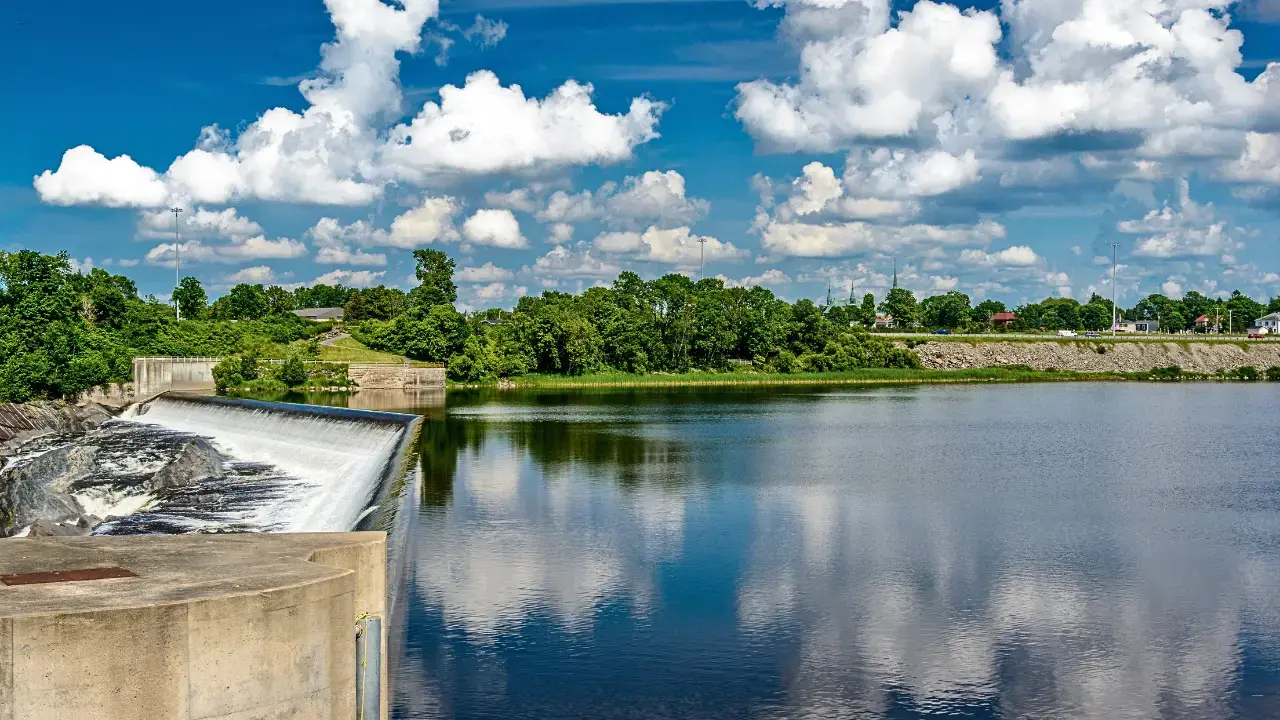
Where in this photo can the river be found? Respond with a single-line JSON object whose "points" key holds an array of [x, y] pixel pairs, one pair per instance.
{"points": [[1026, 551]]}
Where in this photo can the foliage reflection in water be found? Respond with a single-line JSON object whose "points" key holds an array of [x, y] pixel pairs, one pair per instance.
{"points": [[1065, 551]]}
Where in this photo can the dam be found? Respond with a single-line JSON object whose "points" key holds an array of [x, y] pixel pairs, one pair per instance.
{"points": [[195, 558]]}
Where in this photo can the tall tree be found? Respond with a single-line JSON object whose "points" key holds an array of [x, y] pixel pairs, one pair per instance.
{"points": [[279, 301], [192, 301], [945, 311], [901, 304], [868, 309], [435, 273]]}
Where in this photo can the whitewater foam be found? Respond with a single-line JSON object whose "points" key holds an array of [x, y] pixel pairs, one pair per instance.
{"points": [[330, 461]]}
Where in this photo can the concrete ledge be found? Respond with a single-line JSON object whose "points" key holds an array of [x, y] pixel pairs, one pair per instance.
{"points": [[225, 627]]}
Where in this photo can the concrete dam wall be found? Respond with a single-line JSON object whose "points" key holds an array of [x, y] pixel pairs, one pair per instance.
{"points": [[194, 627], [192, 604], [1104, 356], [155, 375]]}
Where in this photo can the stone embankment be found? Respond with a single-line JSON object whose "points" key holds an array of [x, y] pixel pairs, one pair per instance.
{"points": [[1104, 356]]}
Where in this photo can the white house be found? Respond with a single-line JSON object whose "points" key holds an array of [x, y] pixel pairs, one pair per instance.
{"points": [[884, 321], [1270, 322], [1138, 326]]}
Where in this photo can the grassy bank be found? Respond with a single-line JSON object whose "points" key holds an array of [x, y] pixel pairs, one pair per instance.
{"points": [[886, 376], [352, 350]]}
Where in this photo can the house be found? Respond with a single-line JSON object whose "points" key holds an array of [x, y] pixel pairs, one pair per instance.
{"points": [[1270, 322], [884, 321], [320, 314], [1138, 326], [1003, 319], [1204, 323]]}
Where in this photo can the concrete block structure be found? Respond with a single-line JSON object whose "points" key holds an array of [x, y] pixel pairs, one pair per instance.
{"points": [[396, 377], [155, 375], [187, 627]]}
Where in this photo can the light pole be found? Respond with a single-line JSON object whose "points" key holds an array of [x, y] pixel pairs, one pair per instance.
{"points": [[702, 257], [1113, 288], [177, 262]]}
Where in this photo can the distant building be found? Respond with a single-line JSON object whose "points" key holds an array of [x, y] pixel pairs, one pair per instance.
{"points": [[320, 314], [1004, 319], [1204, 323], [1270, 322], [1138, 326], [884, 321]]}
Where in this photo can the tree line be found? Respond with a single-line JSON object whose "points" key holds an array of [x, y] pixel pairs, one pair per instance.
{"points": [[62, 332], [954, 311]]}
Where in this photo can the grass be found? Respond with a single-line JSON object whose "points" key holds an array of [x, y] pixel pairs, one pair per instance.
{"points": [[879, 376], [352, 350]]}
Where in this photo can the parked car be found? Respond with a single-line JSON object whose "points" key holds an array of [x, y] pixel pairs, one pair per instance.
{"points": [[1257, 336], [941, 331], [1067, 333], [1093, 334]]}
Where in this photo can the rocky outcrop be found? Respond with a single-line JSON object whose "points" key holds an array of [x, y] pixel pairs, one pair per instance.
{"points": [[41, 489], [1104, 356], [20, 424], [196, 461]]}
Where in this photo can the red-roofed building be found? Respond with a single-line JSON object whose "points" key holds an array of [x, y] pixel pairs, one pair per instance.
{"points": [[1004, 319]]}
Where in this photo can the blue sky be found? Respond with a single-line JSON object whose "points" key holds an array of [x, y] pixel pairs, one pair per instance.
{"points": [[995, 150]]}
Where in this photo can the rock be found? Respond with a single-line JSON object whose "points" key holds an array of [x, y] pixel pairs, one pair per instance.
{"points": [[196, 461], [40, 489], [44, 528], [22, 423], [1103, 356]]}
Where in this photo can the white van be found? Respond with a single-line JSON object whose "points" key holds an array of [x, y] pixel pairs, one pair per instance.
{"points": [[1067, 333]]}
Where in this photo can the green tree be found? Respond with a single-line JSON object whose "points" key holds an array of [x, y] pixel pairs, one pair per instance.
{"points": [[868, 309], [901, 304], [321, 296], [192, 301], [293, 372], [378, 303], [435, 275], [946, 311], [1244, 310], [244, 302], [983, 311], [279, 301]]}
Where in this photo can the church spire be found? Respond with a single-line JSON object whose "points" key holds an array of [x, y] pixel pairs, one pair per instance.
{"points": [[828, 293], [895, 272]]}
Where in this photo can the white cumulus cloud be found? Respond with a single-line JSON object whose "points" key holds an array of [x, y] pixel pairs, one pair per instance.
{"points": [[494, 228]]}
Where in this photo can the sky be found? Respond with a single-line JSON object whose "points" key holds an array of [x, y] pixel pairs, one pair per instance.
{"points": [[996, 149]]}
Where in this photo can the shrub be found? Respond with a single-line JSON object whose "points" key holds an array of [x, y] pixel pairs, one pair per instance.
{"points": [[293, 372], [1273, 373], [226, 374], [1173, 373], [1248, 373]]}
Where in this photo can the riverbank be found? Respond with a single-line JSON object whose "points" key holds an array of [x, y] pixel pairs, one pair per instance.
{"points": [[871, 376], [1094, 356]]}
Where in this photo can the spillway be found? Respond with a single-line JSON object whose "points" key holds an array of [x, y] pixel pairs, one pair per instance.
{"points": [[287, 468]]}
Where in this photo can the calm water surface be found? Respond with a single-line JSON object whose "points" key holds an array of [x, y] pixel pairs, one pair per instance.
{"points": [[1038, 551]]}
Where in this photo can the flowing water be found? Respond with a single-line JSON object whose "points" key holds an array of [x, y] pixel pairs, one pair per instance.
{"points": [[199, 464], [1038, 551]]}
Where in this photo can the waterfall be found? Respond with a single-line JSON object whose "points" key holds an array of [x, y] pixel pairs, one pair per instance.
{"points": [[317, 468]]}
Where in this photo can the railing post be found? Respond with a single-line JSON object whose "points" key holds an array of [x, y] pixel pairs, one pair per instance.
{"points": [[369, 668]]}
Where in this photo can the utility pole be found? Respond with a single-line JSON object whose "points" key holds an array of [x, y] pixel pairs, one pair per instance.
{"points": [[1113, 289], [177, 260], [702, 259]]}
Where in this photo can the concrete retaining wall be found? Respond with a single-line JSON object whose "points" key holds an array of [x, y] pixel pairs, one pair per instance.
{"points": [[1103, 356], [212, 628], [396, 377], [161, 374], [152, 376]]}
